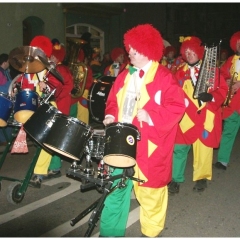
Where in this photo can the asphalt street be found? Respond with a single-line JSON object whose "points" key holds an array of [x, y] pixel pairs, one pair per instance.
{"points": [[51, 210]]}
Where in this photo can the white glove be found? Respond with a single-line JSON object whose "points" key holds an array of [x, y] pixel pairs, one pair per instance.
{"points": [[108, 120], [143, 116]]}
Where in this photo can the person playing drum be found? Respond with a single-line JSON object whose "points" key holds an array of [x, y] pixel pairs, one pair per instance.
{"points": [[146, 95], [47, 164]]}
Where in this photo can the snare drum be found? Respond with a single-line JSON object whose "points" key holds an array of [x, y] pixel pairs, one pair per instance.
{"points": [[68, 136], [96, 143], [26, 104], [6, 106], [120, 144], [40, 123]]}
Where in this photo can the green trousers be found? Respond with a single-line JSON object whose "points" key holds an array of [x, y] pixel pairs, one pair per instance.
{"points": [[230, 129], [55, 163], [115, 213]]}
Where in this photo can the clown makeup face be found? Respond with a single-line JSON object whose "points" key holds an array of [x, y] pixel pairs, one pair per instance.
{"points": [[137, 59], [191, 56], [238, 47]]}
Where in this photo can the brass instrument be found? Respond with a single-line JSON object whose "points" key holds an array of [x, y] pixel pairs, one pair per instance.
{"points": [[207, 71], [230, 93], [79, 70]]}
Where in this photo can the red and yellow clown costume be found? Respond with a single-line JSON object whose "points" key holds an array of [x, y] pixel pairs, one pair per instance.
{"points": [[201, 126], [231, 113], [162, 98]]}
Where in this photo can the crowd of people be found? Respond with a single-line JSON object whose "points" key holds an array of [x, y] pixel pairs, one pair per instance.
{"points": [[154, 91]]}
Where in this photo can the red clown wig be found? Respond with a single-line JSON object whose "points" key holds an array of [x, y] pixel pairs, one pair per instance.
{"points": [[116, 52], [44, 43], [145, 39], [233, 41], [193, 43], [59, 52], [169, 49]]}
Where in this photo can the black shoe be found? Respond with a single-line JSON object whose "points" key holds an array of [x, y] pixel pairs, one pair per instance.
{"points": [[200, 185], [220, 166], [35, 182], [53, 174], [173, 187]]}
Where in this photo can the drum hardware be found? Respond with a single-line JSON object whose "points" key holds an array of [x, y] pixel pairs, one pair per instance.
{"points": [[26, 59], [97, 207], [46, 98], [52, 69]]}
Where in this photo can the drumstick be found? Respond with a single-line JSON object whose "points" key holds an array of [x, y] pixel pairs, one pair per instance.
{"points": [[138, 107]]}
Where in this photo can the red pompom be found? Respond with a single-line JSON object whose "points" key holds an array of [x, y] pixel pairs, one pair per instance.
{"points": [[44, 43]]}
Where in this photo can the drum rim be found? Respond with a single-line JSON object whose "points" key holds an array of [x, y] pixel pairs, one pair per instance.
{"points": [[6, 96], [74, 120], [121, 123]]}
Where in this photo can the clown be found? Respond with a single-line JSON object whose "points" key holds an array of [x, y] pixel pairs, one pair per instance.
{"points": [[231, 113], [169, 57], [147, 96], [201, 124], [118, 57]]}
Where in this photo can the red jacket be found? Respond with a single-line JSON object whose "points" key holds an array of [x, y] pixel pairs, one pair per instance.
{"points": [[201, 123], [163, 100]]}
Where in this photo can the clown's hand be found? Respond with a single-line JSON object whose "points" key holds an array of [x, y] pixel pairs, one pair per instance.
{"points": [[108, 120], [143, 116]]}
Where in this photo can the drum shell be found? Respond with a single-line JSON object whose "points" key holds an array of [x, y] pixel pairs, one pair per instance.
{"points": [[120, 144], [6, 106], [40, 123], [68, 136], [26, 104], [98, 95]]}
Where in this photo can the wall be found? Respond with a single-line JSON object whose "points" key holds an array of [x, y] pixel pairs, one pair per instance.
{"points": [[12, 15]]}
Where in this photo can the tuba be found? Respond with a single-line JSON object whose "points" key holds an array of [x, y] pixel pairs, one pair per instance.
{"points": [[79, 70], [207, 71]]}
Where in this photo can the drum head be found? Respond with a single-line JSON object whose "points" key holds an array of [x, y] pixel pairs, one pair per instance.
{"points": [[98, 96]]}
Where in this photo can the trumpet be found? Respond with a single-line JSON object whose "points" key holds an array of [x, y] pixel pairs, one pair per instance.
{"points": [[230, 93]]}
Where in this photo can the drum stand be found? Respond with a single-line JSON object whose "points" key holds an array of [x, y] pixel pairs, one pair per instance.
{"points": [[97, 206], [16, 190]]}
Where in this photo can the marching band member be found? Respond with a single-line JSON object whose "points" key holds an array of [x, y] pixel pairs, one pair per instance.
{"points": [[146, 95], [231, 112], [49, 166], [117, 56], [201, 125]]}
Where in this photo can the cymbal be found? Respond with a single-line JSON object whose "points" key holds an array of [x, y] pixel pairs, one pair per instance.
{"points": [[26, 59], [52, 69], [77, 40]]}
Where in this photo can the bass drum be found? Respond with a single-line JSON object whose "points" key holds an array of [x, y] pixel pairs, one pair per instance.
{"points": [[98, 95]]}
